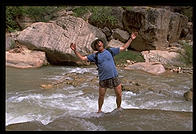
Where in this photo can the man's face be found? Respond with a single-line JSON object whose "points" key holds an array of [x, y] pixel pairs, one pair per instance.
{"points": [[99, 46]]}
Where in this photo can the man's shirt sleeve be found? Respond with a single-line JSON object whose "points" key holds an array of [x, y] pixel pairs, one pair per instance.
{"points": [[91, 57], [115, 50]]}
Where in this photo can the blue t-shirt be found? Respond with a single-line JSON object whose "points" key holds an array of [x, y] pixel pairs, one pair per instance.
{"points": [[106, 65]]}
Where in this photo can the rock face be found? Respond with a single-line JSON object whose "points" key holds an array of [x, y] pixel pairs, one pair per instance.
{"points": [[25, 58], [55, 38], [150, 67], [121, 35], [176, 26], [164, 57], [9, 42], [157, 27], [115, 43], [24, 21]]}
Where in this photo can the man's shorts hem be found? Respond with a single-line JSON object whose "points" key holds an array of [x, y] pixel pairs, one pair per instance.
{"points": [[110, 83]]}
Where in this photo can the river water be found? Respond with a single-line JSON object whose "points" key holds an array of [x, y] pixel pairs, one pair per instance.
{"points": [[73, 108]]}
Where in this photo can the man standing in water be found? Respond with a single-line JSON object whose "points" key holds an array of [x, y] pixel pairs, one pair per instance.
{"points": [[108, 75]]}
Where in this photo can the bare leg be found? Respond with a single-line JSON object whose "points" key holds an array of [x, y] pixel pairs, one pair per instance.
{"points": [[101, 98], [118, 92]]}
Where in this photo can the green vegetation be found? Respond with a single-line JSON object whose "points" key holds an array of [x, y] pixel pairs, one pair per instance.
{"points": [[11, 14], [187, 57], [81, 11], [40, 13], [101, 15], [188, 12], [37, 13], [128, 55]]}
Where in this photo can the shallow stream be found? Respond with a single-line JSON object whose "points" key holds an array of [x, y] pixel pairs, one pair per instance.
{"points": [[69, 108]]}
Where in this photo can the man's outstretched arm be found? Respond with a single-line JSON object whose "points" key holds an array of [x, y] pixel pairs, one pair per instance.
{"points": [[73, 47], [126, 45]]}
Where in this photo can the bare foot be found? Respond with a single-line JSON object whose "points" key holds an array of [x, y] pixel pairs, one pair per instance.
{"points": [[118, 109], [99, 111]]}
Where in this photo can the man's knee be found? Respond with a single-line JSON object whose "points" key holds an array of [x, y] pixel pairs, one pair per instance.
{"points": [[101, 95]]}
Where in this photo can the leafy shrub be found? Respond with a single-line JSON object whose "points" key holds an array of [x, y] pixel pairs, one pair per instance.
{"points": [[187, 56], [101, 15], [80, 11], [11, 13], [189, 13], [38, 13]]}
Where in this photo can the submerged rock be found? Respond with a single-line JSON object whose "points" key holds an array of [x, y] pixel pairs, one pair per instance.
{"points": [[188, 95]]}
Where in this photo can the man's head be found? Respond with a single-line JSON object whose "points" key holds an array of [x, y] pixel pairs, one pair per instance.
{"points": [[98, 44]]}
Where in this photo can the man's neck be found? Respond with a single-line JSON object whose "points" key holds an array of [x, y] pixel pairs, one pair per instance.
{"points": [[101, 50]]}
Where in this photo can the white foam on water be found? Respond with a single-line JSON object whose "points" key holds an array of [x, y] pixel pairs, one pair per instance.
{"points": [[44, 119], [129, 93], [12, 119], [21, 98], [77, 105], [81, 70], [179, 92], [56, 77], [39, 103]]}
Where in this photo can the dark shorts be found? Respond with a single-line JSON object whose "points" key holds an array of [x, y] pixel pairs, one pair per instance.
{"points": [[110, 83]]}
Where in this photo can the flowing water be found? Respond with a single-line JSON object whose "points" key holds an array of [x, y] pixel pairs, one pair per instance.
{"points": [[73, 108]]}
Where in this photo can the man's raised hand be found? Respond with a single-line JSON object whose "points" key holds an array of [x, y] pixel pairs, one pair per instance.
{"points": [[73, 46]]}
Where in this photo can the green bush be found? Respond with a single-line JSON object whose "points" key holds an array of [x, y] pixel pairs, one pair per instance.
{"points": [[188, 55], [11, 13], [101, 15], [38, 13], [128, 55], [80, 11], [188, 12]]}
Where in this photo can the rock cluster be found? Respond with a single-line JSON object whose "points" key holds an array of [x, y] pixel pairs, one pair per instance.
{"points": [[158, 29]]}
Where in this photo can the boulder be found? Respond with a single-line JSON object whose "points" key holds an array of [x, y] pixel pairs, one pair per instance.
{"points": [[164, 57], [187, 32], [115, 43], [117, 12], [150, 67], [188, 95], [157, 27], [177, 27], [107, 31], [55, 38], [120, 35], [10, 39], [24, 21], [24, 58], [10, 43]]}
